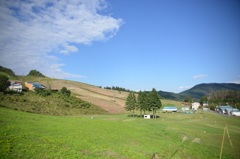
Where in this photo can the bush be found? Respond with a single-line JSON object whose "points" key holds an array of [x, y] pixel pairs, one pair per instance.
{"points": [[212, 106], [41, 92], [65, 91]]}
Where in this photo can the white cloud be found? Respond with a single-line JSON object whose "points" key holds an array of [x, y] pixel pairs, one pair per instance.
{"points": [[181, 88], [64, 52], [200, 76], [238, 76], [69, 48], [31, 30], [237, 82]]}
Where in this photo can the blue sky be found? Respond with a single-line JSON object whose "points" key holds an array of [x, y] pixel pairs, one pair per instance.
{"points": [[138, 44]]}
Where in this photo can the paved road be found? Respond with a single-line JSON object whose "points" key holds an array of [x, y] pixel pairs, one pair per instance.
{"points": [[223, 114]]}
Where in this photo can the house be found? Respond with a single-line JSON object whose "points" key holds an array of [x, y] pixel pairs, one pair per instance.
{"points": [[15, 85], [205, 104], [195, 105], [185, 108], [169, 109], [32, 86]]}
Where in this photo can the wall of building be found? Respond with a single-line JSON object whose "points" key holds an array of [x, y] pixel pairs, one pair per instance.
{"points": [[29, 86]]}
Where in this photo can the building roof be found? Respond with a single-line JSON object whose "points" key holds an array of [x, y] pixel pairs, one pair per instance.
{"points": [[169, 108], [225, 106], [37, 85]]}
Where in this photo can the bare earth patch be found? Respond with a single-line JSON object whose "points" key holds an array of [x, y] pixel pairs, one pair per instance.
{"points": [[106, 105], [106, 99]]}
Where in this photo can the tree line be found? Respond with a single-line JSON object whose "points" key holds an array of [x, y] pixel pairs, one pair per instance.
{"points": [[222, 97], [145, 101], [120, 89]]}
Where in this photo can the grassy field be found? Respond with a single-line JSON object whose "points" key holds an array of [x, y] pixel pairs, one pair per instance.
{"points": [[9, 76], [27, 135]]}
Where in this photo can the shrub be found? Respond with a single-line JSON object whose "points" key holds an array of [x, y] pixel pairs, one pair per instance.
{"points": [[65, 91]]}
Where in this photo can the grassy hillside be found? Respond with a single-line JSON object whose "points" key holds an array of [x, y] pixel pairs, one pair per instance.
{"points": [[27, 135], [110, 100], [9, 76], [49, 103]]}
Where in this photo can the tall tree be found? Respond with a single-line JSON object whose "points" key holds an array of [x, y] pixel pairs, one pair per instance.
{"points": [[203, 100], [4, 83], [141, 102], [187, 99], [131, 102], [154, 101]]}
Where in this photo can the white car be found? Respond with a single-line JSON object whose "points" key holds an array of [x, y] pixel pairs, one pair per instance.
{"points": [[235, 112]]}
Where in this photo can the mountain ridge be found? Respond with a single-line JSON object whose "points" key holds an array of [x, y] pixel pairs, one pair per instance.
{"points": [[200, 90]]}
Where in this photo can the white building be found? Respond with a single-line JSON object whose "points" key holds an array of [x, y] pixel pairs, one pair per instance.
{"points": [[195, 105], [185, 108], [205, 104], [15, 85]]}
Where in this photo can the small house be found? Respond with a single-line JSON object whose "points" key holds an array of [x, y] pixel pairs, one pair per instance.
{"points": [[195, 105], [32, 86], [205, 104], [15, 85], [169, 109], [185, 108]]}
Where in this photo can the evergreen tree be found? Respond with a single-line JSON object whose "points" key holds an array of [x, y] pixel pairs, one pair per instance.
{"points": [[154, 101], [187, 99], [142, 102], [145, 102], [203, 99], [131, 102]]}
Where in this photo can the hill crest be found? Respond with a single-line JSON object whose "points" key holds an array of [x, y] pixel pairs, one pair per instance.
{"points": [[200, 90]]}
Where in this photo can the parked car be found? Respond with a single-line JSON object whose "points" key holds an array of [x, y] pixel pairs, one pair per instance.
{"points": [[235, 112], [222, 109], [228, 110]]}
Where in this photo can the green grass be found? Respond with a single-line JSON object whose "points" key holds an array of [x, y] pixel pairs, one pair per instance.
{"points": [[9, 76], [27, 135], [53, 104]]}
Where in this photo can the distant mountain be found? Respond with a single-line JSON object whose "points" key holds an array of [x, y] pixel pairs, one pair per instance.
{"points": [[200, 90], [169, 95]]}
